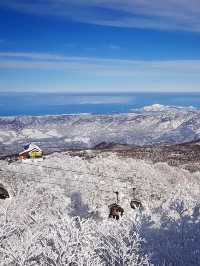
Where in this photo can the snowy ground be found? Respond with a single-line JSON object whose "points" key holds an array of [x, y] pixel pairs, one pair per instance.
{"points": [[58, 212]]}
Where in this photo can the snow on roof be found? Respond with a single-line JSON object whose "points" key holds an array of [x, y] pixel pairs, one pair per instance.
{"points": [[31, 147]]}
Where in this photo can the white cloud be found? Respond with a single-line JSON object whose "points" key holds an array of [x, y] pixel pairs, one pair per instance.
{"points": [[51, 72], [156, 14], [100, 66]]}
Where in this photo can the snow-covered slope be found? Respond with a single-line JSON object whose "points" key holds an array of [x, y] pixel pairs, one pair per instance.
{"points": [[58, 212], [149, 125], [98, 177]]}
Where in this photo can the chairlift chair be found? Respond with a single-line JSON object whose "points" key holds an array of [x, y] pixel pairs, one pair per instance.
{"points": [[115, 209], [3, 193], [135, 203]]}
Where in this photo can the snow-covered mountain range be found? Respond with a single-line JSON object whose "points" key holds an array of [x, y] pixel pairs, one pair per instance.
{"points": [[146, 126]]}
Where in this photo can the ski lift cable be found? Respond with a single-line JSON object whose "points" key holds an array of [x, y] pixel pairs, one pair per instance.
{"points": [[33, 174], [48, 182], [30, 174], [134, 203], [64, 170], [42, 176], [73, 171]]}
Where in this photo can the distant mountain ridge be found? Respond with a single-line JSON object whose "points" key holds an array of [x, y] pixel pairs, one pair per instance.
{"points": [[155, 124]]}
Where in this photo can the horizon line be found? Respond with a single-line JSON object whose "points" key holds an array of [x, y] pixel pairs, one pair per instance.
{"points": [[97, 92]]}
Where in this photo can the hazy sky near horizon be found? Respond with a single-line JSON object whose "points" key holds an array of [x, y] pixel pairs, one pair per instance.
{"points": [[99, 46]]}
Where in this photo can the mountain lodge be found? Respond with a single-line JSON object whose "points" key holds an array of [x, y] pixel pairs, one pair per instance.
{"points": [[30, 151]]}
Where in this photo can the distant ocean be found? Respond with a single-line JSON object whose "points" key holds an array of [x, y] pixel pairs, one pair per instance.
{"points": [[60, 103]]}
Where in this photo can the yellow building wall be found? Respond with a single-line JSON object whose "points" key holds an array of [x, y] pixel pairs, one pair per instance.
{"points": [[35, 154]]}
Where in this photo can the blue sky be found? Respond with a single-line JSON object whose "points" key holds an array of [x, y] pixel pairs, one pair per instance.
{"points": [[99, 46]]}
